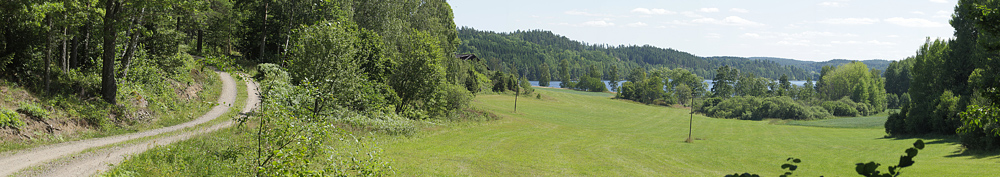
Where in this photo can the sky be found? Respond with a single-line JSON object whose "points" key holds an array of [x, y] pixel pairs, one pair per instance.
{"points": [[812, 30]]}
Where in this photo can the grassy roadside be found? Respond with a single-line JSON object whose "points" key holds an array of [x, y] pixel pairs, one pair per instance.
{"points": [[162, 107], [234, 111], [579, 135]]}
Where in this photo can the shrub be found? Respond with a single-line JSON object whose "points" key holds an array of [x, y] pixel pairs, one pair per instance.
{"points": [[590, 84], [839, 108], [33, 110], [756, 108], [9, 118]]}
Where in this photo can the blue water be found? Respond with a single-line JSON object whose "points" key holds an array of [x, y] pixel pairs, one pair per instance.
{"points": [[708, 83]]}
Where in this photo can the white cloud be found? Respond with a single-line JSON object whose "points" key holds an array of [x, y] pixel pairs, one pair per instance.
{"points": [[739, 10], [731, 20], [637, 24], [598, 23], [691, 14], [653, 11], [708, 10], [917, 12], [831, 4], [582, 13], [850, 21], [914, 22], [939, 1]]}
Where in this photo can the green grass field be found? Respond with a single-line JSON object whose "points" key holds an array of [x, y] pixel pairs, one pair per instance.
{"points": [[572, 134]]}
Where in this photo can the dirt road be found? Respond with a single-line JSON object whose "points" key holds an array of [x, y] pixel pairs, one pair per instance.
{"points": [[89, 163]]}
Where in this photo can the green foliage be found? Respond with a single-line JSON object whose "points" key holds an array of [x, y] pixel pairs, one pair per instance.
{"points": [[564, 74], [757, 108], [419, 72], [294, 137], [10, 118], [544, 75], [326, 59], [846, 107], [859, 83], [590, 84], [870, 169], [531, 48], [981, 127], [897, 76], [722, 83], [32, 109]]}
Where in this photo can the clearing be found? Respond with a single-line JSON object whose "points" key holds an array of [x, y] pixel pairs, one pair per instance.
{"points": [[569, 133]]}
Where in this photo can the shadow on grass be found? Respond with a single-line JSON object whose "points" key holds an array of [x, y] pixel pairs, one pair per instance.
{"points": [[950, 140]]}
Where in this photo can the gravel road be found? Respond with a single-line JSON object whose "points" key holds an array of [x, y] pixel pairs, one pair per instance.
{"points": [[86, 164]]}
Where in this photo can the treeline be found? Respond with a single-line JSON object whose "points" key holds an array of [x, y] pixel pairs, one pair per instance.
{"points": [[816, 67], [661, 86], [848, 90], [528, 50], [952, 83]]}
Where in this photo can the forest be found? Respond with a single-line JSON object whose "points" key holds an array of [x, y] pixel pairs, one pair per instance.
{"points": [[528, 50]]}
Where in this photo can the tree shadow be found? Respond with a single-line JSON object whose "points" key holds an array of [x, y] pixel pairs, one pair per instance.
{"points": [[949, 140], [975, 154], [928, 138]]}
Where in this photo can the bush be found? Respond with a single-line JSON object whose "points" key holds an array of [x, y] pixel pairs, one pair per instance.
{"points": [[590, 84], [9, 118], [756, 108], [33, 110], [895, 125], [839, 108]]}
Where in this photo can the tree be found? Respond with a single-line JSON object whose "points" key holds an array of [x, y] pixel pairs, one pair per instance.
{"points": [[613, 78], [722, 84], [897, 76], [683, 93], [785, 86], [419, 72], [112, 12], [564, 74], [544, 75]]}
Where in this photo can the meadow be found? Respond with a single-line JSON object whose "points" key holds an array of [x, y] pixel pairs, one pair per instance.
{"points": [[570, 133]]}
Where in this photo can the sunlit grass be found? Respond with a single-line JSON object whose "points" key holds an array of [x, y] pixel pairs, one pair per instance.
{"points": [[570, 133]]}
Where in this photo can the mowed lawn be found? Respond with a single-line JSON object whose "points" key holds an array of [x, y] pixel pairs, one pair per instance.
{"points": [[570, 133]]}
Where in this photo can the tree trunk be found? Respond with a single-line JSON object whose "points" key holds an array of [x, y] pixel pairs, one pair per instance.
{"points": [[200, 41], [130, 49], [85, 54], [108, 85], [263, 32], [48, 54], [65, 53]]}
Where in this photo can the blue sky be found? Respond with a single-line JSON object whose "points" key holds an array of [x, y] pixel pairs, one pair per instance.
{"points": [[814, 30]]}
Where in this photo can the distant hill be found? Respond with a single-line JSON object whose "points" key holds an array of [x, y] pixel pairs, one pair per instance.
{"points": [[815, 67], [528, 50]]}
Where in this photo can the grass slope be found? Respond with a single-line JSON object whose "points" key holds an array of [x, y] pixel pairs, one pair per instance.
{"points": [[569, 134]]}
